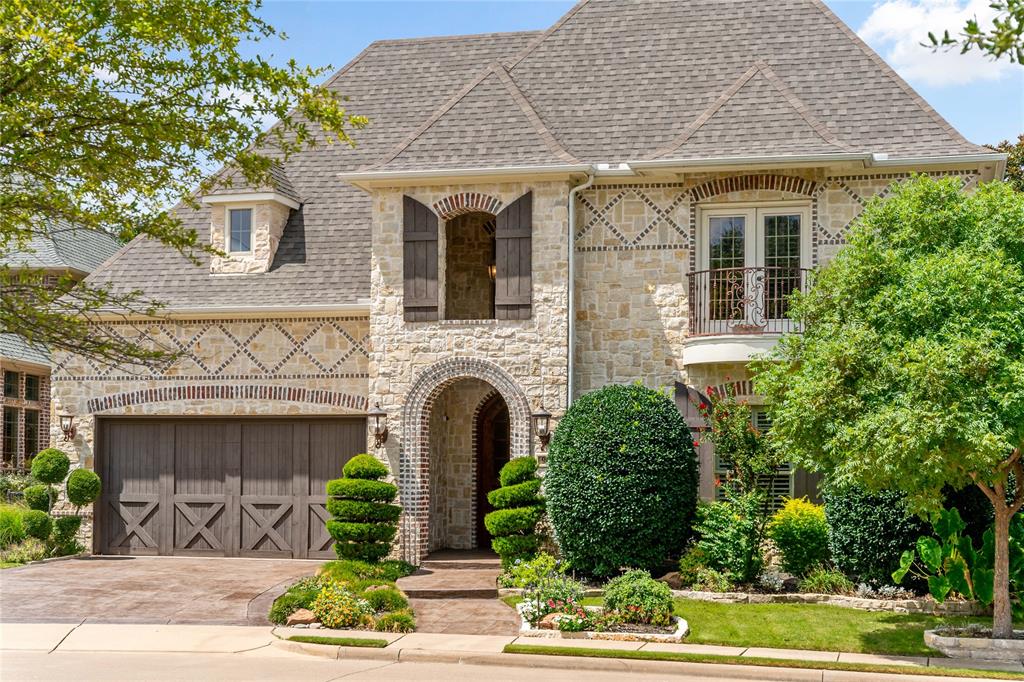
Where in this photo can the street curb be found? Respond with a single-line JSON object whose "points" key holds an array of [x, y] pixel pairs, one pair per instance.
{"points": [[675, 668]]}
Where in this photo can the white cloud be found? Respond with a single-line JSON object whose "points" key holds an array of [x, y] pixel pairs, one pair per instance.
{"points": [[896, 29]]}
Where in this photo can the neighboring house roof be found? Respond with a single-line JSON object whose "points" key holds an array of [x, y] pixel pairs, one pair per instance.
{"points": [[612, 81], [64, 248], [14, 347]]}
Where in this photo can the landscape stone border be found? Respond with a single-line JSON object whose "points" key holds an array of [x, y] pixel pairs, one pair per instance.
{"points": [[924, 606], [981, 648]]}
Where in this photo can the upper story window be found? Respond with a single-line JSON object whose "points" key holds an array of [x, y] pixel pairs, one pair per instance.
{"points": [[469, 267], [10, 384], [750, 260], [240, 230], [31, 387]]}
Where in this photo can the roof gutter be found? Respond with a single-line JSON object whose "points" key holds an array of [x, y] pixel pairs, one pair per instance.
{"points": [[571, 284], [235, 311], [378, 178], [771, 160]]}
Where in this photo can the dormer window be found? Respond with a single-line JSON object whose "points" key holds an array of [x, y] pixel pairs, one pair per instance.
{"points": [[240, 233]]}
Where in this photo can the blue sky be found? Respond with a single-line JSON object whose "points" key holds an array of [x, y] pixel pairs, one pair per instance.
{"points": [[984, 100]]}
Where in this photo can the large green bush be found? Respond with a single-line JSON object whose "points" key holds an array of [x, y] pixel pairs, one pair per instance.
{"points": [[621, 484], [800, 532], [83, 487], [363, 523], [50, 466], [869, 531], [518, 508]]}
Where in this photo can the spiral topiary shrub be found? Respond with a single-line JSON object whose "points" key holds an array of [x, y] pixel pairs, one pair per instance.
{"points": [[50, 466], [518, 508], [364, 521], [621, 484], [83, 487]]}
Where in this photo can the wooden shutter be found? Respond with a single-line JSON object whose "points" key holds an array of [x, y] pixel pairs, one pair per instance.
{"points": [[513, 238], [419, 269]]}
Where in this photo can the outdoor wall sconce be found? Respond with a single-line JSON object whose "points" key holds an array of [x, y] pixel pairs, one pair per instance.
{"points": [[380, 425], [542, 424], [492, 271], [67, 425]]}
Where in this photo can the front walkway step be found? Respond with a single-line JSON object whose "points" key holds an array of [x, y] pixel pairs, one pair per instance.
{"points": [[450, 593]]}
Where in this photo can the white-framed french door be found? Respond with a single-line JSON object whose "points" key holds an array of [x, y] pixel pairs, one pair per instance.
{"points": [[750, 259]]}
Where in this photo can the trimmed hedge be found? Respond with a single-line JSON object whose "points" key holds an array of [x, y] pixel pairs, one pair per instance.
{"points": [[40, 497], [518, 508], [363, 523], [359, 489], [38, 524], [50, 466], [344, 531], [366, 467], [363, 512], [621, 483], [518, 495], [869, 531], [83, 487], [518, 470]]}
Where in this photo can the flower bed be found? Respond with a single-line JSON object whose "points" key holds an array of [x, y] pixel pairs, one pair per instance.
{"points": [[611, 630]]}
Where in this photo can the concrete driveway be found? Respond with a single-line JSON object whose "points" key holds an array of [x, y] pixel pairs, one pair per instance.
{"points": [[147, 590]]}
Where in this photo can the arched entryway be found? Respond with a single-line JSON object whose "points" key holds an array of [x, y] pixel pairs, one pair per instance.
{"points": [[492, 453], [437, 464]]}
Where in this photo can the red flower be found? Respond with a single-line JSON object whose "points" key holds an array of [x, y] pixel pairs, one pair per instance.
{"points": [[718, 482]]}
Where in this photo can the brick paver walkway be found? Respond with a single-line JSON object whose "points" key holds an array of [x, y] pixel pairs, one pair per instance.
{"points": [[454, 592]]}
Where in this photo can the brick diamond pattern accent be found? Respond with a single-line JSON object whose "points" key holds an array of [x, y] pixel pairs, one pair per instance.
{"points": [[655, 215]]}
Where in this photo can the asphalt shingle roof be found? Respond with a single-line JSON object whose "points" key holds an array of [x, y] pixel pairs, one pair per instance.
{"points": [[14, 347], [612, 81], [63, 248]]}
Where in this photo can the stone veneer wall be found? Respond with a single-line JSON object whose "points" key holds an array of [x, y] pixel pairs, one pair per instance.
{"points": [[272, 366], [411, 362], [635, 244]]}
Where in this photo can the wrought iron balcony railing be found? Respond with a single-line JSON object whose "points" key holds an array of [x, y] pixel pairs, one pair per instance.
{"points": [[744, 300]]}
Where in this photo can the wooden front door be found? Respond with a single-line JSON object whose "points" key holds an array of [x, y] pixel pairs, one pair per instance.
{"points": [[492, 453], [220, 487]]}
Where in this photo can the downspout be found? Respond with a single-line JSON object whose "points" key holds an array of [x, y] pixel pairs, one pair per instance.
{"points": [[570, 241]]}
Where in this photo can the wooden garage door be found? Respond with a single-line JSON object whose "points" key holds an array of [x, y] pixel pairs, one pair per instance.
{"points": [[218, 487]]}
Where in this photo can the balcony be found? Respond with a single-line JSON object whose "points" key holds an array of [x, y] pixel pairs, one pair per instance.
{"points": [[736, 313]]}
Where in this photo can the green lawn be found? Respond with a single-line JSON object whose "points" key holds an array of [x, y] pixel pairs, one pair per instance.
{"points": [[805, 626]]}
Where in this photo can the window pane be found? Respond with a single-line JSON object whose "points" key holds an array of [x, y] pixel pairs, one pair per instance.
{"points": [[782, 262], [31, 435], [241, 229], [31, 387], [726, 258], [10, 443], [10, 384]]}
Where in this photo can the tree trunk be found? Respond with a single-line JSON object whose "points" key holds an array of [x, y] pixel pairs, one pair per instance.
{"points": [[1002, 616]]}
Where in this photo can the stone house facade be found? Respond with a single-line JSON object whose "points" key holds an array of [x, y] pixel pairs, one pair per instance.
{"points": [[508, 234]]}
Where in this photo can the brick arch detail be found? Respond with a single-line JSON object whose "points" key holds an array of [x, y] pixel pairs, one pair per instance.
{"points": [[741, 389], [295, 394], [463, 203], [741, 183], [414, 456]]}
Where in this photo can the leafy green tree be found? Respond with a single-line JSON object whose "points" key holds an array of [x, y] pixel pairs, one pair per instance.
{"points": [[111, 111], [1014, 161], [910, 372], [1004, 39]]}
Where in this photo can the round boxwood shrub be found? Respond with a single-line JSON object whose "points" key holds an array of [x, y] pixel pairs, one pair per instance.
{"points": [[621, 485], [800, 532], [50, 466], [639, 598], [518, 509], [40, 497], [83, 487], [869, 531], [363, 523], [38, 524]]}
